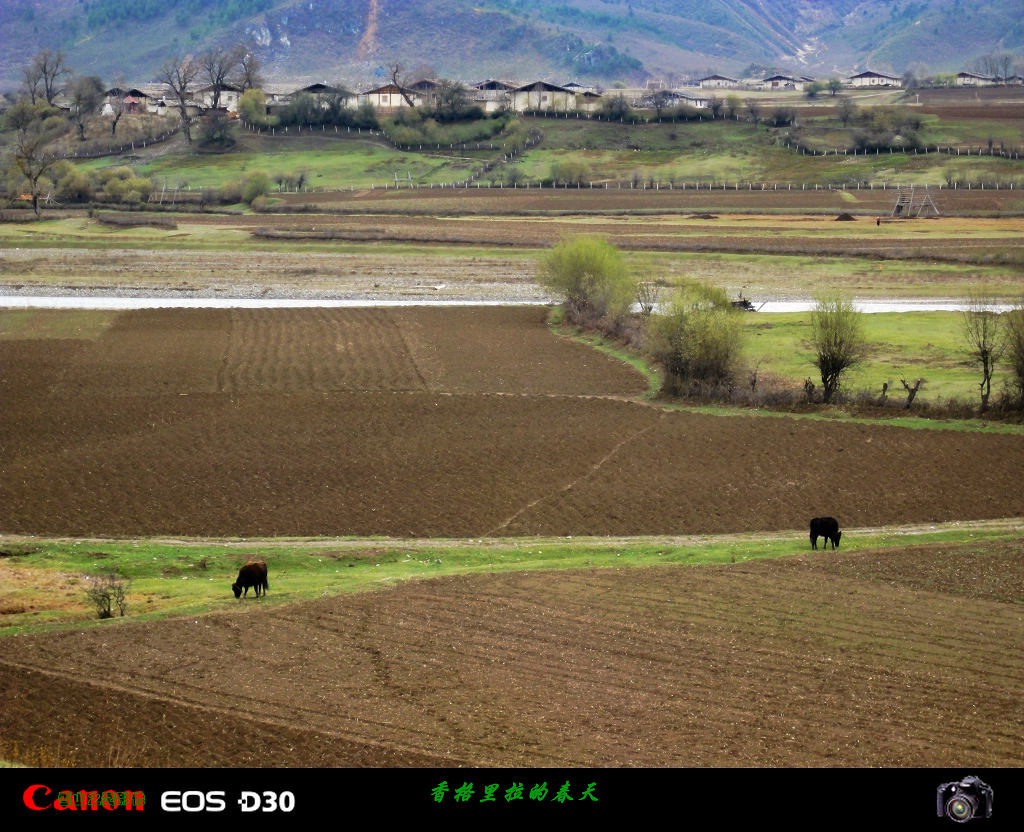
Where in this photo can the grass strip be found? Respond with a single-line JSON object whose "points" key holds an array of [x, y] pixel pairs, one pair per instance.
{"points": [[45, 589]]}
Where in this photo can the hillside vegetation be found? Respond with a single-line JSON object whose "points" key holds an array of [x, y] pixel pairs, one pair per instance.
{"points": [[518, 38], [914, 142]]}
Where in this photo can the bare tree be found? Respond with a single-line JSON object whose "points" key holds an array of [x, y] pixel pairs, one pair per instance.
{"points": [[107, 591], [86, 94], [217, 65], [985, 338], [1004, 63], [995, 64], [400, 78], [846, 110], [661, 100], [179, 74], [248, 73], [32, 135], [837, 339], [615, 107], [33, 83], [648, 295], [117, 104], [753, 109], [44, 75]]}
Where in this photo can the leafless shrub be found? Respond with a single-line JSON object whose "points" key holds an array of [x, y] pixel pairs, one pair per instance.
{"points": [[648, 293], [106, 592]]}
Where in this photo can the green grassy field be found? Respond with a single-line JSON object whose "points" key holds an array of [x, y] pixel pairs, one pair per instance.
{"points": [[348, 164], [46, 580], [906, 345], [328, 160], [719, 150]]}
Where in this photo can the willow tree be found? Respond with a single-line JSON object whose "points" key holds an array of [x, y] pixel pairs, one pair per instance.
{"points": [[697, 339], [837, 338], [591, 277]]}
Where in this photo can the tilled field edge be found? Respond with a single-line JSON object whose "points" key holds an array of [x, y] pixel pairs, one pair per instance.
{"points": [[796, 661]]}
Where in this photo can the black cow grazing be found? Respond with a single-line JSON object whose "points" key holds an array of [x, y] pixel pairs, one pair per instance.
{"points": [[826, 527], [253, 574]]}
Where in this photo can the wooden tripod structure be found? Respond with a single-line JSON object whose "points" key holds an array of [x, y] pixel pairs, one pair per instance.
{"points": [[912, 203]]}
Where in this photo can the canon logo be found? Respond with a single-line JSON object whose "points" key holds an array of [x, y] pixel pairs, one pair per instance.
{"points": [[36, 799]]}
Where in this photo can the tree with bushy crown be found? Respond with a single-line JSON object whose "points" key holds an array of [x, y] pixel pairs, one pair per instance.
{"points": [[252, 107], [591, 277], [837, 338], [697, 338]]}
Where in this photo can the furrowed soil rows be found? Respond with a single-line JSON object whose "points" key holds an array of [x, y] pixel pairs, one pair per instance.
{"points": [[890, 658], [322, 350], [429, 422]]}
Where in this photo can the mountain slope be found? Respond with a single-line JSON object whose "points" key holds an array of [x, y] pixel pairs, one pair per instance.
{"points": [[355, 40]]}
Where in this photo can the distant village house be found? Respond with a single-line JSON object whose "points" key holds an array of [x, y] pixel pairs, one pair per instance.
{"points": [[970, 79], [718, 82], [874, 79]]}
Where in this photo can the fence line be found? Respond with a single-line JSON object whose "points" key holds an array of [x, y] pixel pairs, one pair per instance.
{"points": [[696, 186], [111, 150], [886, 150], [338, 129]]}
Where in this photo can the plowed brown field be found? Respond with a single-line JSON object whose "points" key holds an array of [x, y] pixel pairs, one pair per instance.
{"points": [[473, 422], [429, 422], [894, 658]]}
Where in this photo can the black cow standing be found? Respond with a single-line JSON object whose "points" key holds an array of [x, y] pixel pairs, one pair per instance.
{"points": [[253, 574], [826, 527]]}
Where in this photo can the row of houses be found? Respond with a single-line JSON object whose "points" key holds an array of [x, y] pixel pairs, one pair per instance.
{"points": [[795, 82], [862, 79], [492, 95], [972, 79]]}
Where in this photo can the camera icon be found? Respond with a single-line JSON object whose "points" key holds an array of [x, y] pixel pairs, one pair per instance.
{"points": [[964, 799]]}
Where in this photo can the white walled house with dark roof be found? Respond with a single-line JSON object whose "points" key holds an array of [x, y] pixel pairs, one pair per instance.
{"points": [[874, 79], [785, 82], [721, 82], [229, 95], [491, 95], [971, 79], [133, 100], [542, 95], [388, 98]]}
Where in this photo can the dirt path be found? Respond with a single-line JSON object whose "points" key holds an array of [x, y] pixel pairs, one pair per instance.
{"points": [[1012, 524]]}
